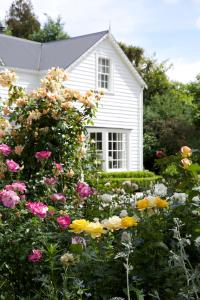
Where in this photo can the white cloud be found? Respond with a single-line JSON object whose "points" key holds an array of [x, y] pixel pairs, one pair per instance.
{"points": [[184, 72], [172, 1], [198, 23]]}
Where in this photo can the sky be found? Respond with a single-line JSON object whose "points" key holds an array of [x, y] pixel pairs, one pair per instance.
{"points": [[168, 28]]}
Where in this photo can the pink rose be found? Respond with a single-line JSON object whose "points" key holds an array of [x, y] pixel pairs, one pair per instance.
{"points": [[57, 196], [16, 186], [5, 149], [50, 180], [84, 190], [59, 167], [64, 221], [9, 198], [37, 208], [43, 154], [12, 165], [35, 255], [160, 153]]}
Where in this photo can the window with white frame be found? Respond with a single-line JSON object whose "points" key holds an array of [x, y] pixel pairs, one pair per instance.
{"points": [[98, 141], [104, 73], [111, 147], [116, 150]]}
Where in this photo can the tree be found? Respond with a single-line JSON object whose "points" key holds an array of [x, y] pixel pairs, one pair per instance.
{"points": [[51, 31], [135, 54], [21, 20]]}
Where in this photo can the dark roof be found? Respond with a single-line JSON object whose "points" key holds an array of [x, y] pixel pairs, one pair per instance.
{"points": [[25, 54]]}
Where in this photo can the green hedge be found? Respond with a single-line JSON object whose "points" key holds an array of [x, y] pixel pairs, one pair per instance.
{"points": [[144, 179]]}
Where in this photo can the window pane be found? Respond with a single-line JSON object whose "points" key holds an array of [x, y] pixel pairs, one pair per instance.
{"points": [[117, 150]]}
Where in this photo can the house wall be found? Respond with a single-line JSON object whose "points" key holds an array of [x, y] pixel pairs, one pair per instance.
{"points": [[122, 107], [26, 79]]}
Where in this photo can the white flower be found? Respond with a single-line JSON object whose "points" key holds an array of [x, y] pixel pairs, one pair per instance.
{"points": [[196, 188], [180, 197], [197, 241], [196, 199], [160, 190], [123, 213], [139, 195], [106, 198]]}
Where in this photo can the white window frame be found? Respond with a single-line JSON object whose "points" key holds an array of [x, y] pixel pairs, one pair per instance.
{"points": [[110, 89], [105, 137]]}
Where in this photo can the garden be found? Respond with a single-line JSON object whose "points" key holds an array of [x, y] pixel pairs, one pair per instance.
{"points": [[68, 230]]}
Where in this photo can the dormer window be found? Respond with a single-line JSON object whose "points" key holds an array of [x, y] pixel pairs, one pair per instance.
{"points": [[104, 73]]}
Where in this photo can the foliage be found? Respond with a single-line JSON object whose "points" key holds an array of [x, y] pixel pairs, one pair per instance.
{"points": [[21, 20], [61, 238], [51, 31]]}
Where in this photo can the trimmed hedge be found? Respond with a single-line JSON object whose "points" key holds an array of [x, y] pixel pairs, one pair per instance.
{"points": [[144, 179]]}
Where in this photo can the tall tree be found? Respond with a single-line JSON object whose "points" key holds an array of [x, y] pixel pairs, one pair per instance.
{"points": [[21, 19], [52, 30], [135, 54]]}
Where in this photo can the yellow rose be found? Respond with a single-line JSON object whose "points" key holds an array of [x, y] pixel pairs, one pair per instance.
{"points": [[128, 222], [142, 204], [186, 151], [79, 225], [186, 163], [95, 229], [161, 203]]}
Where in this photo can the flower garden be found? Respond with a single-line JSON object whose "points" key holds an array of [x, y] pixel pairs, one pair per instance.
{"points": [[61, 235]]}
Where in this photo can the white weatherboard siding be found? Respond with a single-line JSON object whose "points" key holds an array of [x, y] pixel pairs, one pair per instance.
{"points": [[121, 108], [26, 79]]}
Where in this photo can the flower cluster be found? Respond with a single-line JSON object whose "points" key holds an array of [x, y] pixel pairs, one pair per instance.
{"points": [[186, 152], [96, 229], [9, 198], [5, 149], [84, 190], [151, 202], [7, 78], [37, 208]]}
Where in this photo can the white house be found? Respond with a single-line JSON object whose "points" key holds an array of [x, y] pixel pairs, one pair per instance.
{"points": [[93, 61]]}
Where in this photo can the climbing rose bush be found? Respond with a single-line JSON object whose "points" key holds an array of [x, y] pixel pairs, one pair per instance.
{"points": [[62, 238]]}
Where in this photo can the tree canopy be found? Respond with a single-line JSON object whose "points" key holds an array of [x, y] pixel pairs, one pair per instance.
{"points": [[51, 31], [22, 22], [21, 19]]}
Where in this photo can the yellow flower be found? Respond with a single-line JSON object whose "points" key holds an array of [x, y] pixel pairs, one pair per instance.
{"points": [[142, 204], [161, 203], [128, 222], [95, 229], [113, 223], [79, 225], [186, 163], [186, 151]]}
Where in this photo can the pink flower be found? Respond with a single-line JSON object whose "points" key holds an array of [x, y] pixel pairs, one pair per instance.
{"points": [[12, 165], [43, 154], [37, 208], [35, 255], [9, 198], [50, 180], [160, 153], [5, 149], [58, 167], [16, 186], [64, 221], [84, 190], [57, 196]]}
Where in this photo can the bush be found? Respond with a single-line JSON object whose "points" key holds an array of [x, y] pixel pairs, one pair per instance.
{"points": [[63, 239]]}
